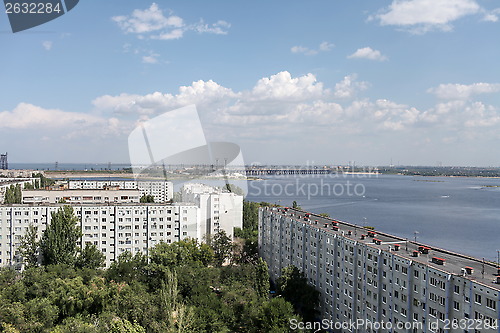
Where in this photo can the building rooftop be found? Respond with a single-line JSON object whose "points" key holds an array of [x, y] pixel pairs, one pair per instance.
{"points": [[446, 261]]}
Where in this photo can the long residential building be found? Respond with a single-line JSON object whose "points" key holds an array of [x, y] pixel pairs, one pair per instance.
{"points": [[81, 196], [161, 190], [366, 276], [113, 228]]}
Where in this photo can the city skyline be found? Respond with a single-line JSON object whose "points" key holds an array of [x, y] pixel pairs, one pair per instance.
{"points": [[330, 82]]}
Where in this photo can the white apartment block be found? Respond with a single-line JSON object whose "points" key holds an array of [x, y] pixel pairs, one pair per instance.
{"points": [[81, 196], [161, 190], [366, 276], [114, 229], [219, 209]]}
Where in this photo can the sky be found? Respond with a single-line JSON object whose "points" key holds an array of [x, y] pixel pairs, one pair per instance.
{"points": [[415, 82]]}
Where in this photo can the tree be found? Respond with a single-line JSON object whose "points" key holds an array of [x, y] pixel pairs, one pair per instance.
{"points": [[275, 316], [147, 198], [295, 205], [90, 257], [292, 284], [58, 244], [30, 246], [43, 181], [324, 215], [262, 279], [13, 195], [222, 246]]}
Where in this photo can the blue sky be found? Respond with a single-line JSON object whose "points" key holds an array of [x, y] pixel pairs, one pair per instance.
{"points": [[324, 82]]}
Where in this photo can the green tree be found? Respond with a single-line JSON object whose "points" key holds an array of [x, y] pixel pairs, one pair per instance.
{"points": [[13, 195], [58, 244], [222, 246], [90, 257], [295, 205], [119, 325], [43, 181], [127, 268], [262, 279], [292, 285], [147, 198], [29, 247], [275, 316]]}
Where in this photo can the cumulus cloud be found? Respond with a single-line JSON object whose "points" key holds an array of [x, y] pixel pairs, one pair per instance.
{"points": [[368, 53], [27, 116], [421, 16], [283, 106], [349, 87], [462, 91], [323, 47], [154, 24]]}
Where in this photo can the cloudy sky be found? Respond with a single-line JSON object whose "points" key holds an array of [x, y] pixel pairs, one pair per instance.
{"points": [[324, 82]]}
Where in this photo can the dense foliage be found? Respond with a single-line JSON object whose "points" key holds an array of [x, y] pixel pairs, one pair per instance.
{"points": [[13, 194], [185, 286], [147, 198]]}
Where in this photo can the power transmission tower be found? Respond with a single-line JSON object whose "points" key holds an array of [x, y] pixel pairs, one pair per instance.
{"points": [[4, 164]]}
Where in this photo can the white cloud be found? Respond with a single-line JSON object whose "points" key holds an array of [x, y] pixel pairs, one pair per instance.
{"points": [[282, 107], [199, 92], [150, 59], [368, 53], [152, 23], [462, 91], [29, 116], [323, 47], [47, 45], [421, 16], [326, 46], [491, 16], [218, 28], [148, 20], [348, 87]]}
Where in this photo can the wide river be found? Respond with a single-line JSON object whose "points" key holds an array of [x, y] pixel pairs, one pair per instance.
{"points": [[456, 213]]}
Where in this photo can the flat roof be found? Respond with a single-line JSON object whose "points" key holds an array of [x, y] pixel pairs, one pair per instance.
{"points": [[455, 262]]}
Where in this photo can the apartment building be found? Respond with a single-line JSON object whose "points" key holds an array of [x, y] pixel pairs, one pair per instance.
{"points": [[113, 195], [367, 277], [219, 209], [161, 190], [113, 228]]}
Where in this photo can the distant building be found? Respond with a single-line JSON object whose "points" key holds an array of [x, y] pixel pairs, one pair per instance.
{"points": [[371, 277], [6, 183], [161, 190], [219, 209], [113, 195], [19, 173]]}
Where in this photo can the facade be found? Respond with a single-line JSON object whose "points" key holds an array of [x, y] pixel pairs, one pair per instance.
{"points": [[12, 173], [161, 190], [81, 196], [381, 282], [114, 229], [219, 209]]}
